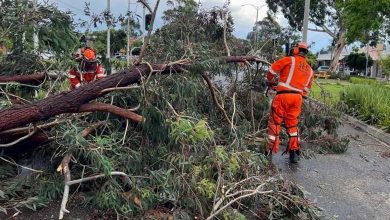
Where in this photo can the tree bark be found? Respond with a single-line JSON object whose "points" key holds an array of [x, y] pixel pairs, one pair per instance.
{"points": [[243, 59], [340, 44], [71, 101], [32, 79], [92, 107]]}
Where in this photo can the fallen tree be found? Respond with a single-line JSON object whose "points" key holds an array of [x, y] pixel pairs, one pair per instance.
{"points": [[73, 101]]}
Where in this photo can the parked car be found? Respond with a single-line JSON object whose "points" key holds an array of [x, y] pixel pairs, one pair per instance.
{"points": [[322, 72], [323, 68]]}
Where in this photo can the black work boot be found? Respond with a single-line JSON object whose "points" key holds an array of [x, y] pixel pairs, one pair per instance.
{"points": [[293, 156]]}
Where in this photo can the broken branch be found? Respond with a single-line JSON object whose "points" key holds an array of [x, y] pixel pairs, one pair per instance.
{"points": [[212, 91], [146, 41], [102, 107], [26, 129], [32, 79], [64, 167], [19, 140], [243, 59], [146, 5], [119, 88]]}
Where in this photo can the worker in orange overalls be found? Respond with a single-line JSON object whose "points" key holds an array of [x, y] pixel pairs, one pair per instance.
{"points": [[295, 81], [89, 68]]}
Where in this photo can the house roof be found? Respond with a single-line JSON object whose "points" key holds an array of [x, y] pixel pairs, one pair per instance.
{"points": [[376, 53], [329, 56]]}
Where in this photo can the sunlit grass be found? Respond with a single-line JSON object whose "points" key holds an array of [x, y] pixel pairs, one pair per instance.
{"points": [[369, 103], [330, 92]]}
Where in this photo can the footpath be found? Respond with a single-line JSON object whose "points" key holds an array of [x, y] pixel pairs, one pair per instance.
{"points": [[354, 185]]}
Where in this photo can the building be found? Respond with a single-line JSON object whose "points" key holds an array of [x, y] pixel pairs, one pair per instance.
{"points": [[377, 53], [325, 59]]}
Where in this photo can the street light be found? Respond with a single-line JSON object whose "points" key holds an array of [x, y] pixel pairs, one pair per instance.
{"points": [[257, 17]]}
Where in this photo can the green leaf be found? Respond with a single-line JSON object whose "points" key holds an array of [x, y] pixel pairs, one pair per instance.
{"points": [[3, 210], [2, 194]]}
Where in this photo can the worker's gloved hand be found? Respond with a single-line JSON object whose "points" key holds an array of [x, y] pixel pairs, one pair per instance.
{"points": [[272, 86]]}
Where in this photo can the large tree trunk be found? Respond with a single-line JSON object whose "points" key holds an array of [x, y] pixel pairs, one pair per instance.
{"points": [[340, 44], [71, 101]]}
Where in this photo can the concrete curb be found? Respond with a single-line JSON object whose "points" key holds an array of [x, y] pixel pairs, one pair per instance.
{"points": [[375, 132]]}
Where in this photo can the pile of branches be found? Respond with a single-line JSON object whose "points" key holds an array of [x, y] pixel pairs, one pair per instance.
{"points": [[156, 140], [178, 155]]}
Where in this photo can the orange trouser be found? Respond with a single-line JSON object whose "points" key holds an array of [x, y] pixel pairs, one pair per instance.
{"points": [[285, 107]]}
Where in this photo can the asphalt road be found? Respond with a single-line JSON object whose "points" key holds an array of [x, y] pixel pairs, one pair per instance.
{"points": [[354, 185]]}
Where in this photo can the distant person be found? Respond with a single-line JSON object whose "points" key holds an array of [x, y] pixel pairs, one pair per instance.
{"points": [[295, 81], [89, 68]]}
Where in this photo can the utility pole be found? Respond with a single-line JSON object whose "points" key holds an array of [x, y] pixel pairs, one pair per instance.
{"points": [[366, 59], [305, 21], [128, 33], [108, 35], [144, 27], [35, 35], [257, 20]]}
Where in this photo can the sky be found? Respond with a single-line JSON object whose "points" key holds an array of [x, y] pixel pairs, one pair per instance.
{"points": [[244, 16]]}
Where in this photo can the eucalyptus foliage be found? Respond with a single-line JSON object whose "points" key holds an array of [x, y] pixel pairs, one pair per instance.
{"points": [[20, 20], [184, 156]]}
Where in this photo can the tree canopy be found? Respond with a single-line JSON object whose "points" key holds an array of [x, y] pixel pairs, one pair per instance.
{"points": [[54, 27], [345, 21], [358, 61], [367, 20], [19, 21], [268, 35]]}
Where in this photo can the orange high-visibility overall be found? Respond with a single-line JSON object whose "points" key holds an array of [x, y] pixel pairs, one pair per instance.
{"points": [[90, 69], [76, 78], [295, 80]]}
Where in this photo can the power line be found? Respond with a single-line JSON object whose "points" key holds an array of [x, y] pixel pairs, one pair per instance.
{"points": [[70, 6]]}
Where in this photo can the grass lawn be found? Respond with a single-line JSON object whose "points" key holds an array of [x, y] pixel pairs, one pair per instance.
{"points": [[332, 89], [365, 99]]}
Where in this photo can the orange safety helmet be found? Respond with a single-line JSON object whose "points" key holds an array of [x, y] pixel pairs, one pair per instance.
{"points": [[300, 45], [89, 54]]}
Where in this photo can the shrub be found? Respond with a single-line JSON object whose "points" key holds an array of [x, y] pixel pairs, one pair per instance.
{"points": [[369, 103], [364, 81], [340, 75]]}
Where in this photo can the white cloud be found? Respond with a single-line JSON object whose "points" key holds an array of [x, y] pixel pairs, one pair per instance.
{"points": [[244, 16]]}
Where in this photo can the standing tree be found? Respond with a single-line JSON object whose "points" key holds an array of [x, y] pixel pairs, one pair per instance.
{"points": [[19, 20], [367, 20], [269, 37], [338, 18], [358, 61], [386, 66]]}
